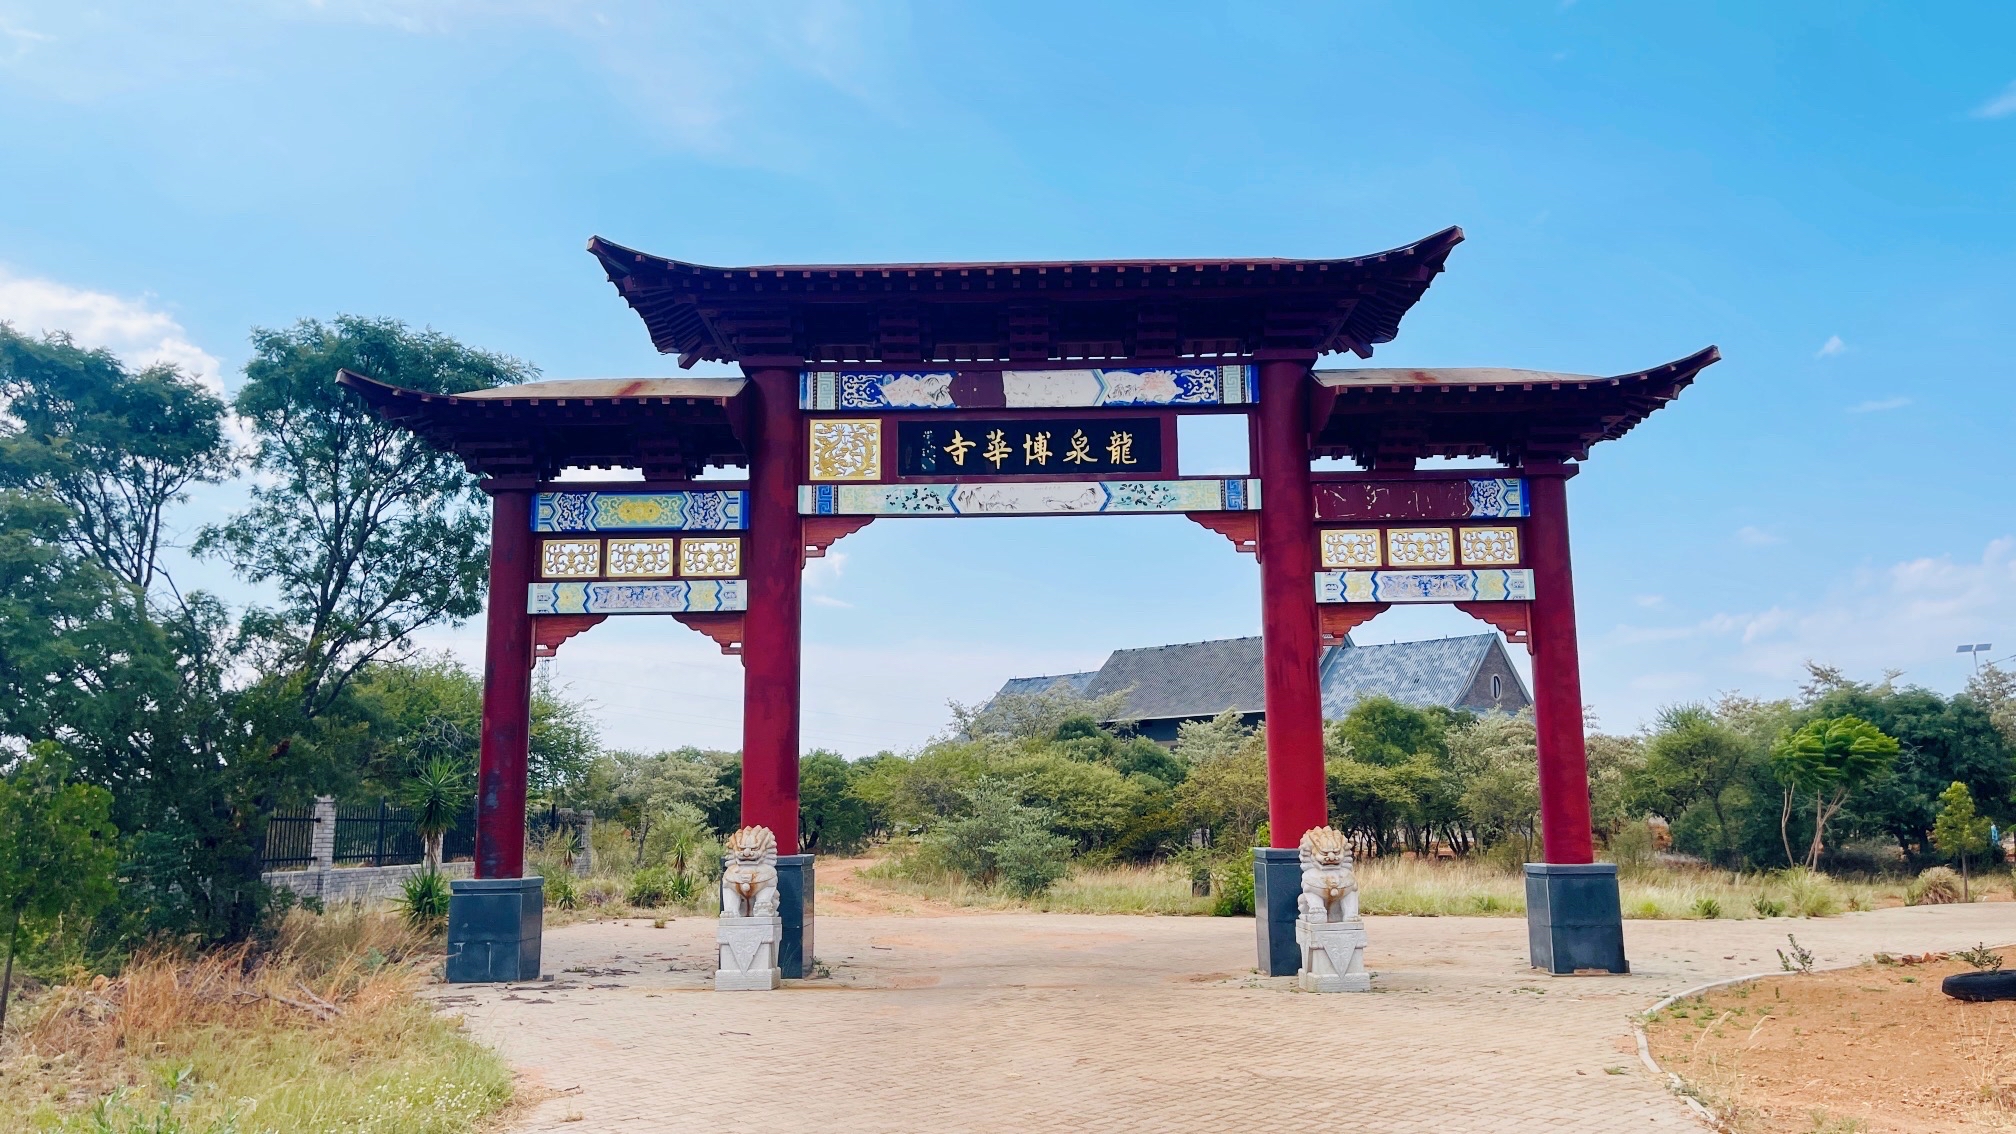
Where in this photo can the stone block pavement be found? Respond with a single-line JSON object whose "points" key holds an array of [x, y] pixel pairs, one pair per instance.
{"points": [[1010, 1022]]}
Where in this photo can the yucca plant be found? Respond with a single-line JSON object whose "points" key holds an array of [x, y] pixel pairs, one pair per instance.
{"points": [[425, 899], [436, 796]]}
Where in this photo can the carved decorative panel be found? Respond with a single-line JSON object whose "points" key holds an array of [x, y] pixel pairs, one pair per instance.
{"points": [[641, 558], [710, 557], [570, 558], [1490, 547], [1355, 547], [846, 450], [1420, 547]]}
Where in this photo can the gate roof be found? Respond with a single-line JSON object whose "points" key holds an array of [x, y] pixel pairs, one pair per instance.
{"points": [[1044, 311]]}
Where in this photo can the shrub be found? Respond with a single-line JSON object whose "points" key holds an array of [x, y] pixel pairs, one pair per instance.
{"points": [[1936, 887], [597, 892], [1707, 908], [651, 887], [1809, 893], [424, 899], [561, 892], [1767, 906], [683, 888], [1981, 958], [1234, 886], [1032, 860]]}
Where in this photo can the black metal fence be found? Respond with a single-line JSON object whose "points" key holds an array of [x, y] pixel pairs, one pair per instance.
{"points": [[290, 839]]}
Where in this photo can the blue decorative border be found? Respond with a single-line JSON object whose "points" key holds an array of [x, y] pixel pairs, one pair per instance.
{"points": [[867, 390], [696, 511], [1029, 498], [1499, 499], [1482, 585], [697, 596]]}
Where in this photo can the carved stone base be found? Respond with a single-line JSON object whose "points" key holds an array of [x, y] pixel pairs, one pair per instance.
{"points": [[1333, 956], [748, 954]]}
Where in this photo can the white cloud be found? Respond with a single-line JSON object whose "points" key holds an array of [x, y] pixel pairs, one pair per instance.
{"points": [[133, 329], [2001, 106], [1753, 536], [1831, 347], [1879, 405]]}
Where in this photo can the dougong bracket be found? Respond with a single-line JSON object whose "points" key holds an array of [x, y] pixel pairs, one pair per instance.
{"points": [[724, 628], [549, 630], [1512, 619], [1242, 528], [1337, 620], [818, 533]]}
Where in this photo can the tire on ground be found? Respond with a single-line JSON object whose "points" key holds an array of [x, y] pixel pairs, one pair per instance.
{"points": [[1980, 986]]}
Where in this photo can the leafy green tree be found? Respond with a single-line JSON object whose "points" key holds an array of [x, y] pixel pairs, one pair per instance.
{"points": [[1828, 759], [114, 447], [1495, 764], [366, 532], [57, 849], [831, 818], [1031, 716], [999, 834], [1958, 831], [1226, 790], [1692, 758]]}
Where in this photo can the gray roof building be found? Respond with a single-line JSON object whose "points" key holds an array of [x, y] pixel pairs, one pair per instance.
{"points": [[1198, 680]]}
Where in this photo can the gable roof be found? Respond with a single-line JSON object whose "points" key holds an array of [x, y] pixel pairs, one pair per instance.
{"points": [[1192, 679], [1203, 679], [1436, 672]]}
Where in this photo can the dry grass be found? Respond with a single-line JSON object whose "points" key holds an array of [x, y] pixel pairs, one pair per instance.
{"points": [[322, 1034], [1429, 888]]}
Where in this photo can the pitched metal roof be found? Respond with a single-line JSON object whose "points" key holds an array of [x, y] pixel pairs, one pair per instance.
{"points": [[1203, 679], [1436, 672]]}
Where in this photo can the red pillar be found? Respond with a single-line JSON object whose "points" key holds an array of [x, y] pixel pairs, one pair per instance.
{"points": [[507, 686], [773, 558], [1557, 673], [1297, 797]]}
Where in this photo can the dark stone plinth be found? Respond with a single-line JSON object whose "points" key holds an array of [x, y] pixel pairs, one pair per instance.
{"points": [[493, 929], [794, 905], [1277, 886], [1574, 921]]}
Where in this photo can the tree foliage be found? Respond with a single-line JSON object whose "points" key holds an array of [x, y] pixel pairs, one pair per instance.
{"points": [[1827, 759]]}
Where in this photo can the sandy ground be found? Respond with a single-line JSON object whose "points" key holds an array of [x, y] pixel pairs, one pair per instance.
{"points": [[1874, 1045]]}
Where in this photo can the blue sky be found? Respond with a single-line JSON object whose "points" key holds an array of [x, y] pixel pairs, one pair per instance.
{"points": [[1824, 190]]}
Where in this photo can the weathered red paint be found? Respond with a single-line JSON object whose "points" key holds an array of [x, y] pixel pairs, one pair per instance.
{"points": [[1557, 673], [506, 737], [773, 554], [1296, 794]]}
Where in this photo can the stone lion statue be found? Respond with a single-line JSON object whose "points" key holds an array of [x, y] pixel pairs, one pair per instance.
{"points": [[749, 879], [1329, 889]]}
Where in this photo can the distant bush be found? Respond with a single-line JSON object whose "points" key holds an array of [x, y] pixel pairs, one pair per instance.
{"points": [[651, 887], [1936, 887], [1707, 908], [1233, 887], [1767, 906]]}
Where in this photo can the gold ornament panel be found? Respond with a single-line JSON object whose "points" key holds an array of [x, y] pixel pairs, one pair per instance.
{"points": [[1357, 547], [1493, 546], [641, 558], [570, 558], [710, 557], [1420, 547], [849, 449]]}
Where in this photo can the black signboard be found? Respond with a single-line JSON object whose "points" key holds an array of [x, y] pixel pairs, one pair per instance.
{"points": [[1022, 447]]}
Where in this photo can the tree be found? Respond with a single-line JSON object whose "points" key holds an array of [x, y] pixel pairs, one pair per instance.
{"points": [[1692, 758], [56, 849], [831, 818], [366, 531], [114, 447], [1828, 758], [1496, 765], [1028, 716], [1994, 689], [1226, 791], [1959, 831]]}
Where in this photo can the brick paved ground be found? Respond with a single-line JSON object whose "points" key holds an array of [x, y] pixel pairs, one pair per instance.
{"points": [[1053, 1022]]}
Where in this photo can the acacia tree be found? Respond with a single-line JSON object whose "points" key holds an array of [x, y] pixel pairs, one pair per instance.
{"points": [[114, 447], [367, 533], [1692, 758], [1827, 759]]}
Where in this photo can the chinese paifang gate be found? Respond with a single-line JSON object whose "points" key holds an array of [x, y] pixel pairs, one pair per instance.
{"points": [[897, 391]]}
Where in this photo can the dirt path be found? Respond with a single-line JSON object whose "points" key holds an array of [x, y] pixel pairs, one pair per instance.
{"points": [[841, 892], [1016, 1021]]}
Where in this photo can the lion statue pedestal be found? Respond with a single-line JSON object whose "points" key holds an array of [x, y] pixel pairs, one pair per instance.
{"points": [[750, 928], [1329, 930]]}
